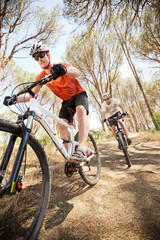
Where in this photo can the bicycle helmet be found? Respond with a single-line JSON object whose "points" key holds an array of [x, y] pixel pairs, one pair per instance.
{"points": [[38, 47], [106, 95]]}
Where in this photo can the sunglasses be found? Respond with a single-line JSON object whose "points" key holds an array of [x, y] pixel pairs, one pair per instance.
{"points": [[106, 99], [41, 55]]}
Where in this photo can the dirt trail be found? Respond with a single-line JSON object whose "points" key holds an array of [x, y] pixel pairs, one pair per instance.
{"points": [[125, 204]]}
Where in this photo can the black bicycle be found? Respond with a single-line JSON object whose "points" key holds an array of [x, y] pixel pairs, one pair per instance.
{"points": [[123, 144], [24, 167]]}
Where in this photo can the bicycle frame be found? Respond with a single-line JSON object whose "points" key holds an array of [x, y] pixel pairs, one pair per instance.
{"points": [[40, 114], [117, 127]]}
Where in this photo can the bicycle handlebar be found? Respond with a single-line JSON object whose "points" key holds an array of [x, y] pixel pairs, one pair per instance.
{"points": [[117, 117], [44, 80]]}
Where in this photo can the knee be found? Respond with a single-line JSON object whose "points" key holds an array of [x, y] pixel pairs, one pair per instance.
{"points": [[121, 123], [81, 111], [61, 127]]}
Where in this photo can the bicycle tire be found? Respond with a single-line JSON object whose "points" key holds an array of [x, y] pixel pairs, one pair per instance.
{"points": [[39, 186], [124, 148], [91, 176]]}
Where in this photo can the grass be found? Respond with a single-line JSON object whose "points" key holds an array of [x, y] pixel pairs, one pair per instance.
{"points": [[149, 136]]}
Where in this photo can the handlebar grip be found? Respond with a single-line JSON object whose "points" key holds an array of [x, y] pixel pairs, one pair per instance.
{"points": [[8, 101]]}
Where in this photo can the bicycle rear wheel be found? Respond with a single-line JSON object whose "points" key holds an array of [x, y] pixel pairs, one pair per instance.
{"points": [[22, 214], [90, 171], [124, 148]]}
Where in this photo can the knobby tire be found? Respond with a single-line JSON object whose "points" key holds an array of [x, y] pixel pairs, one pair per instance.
{"points": [[124, 148], [91, 174], [41, 170]]}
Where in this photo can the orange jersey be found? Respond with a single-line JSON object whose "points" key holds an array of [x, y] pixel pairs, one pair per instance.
{"points": [[64, 87]]}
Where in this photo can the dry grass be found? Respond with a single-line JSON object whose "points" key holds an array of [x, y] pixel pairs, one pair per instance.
{"points": [[65, 190], [148, 136]]}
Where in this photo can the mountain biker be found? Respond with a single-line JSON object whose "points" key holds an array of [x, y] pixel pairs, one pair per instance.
{"points": [[66, 87], [112, 107]]}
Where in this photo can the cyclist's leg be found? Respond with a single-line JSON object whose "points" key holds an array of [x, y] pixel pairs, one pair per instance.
{"points": [[64, 132], [113, 130], [82, 109], [83, 126], [114, 133], [123, 127], [125, 131]]}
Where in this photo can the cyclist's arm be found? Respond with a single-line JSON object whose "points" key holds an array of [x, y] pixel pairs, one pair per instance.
{"points": [[121, 106], [26, 97], [103, 116], [72, 72]]}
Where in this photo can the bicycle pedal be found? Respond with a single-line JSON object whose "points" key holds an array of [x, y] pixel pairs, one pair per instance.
{"points": [[89, 154], [72, 170], [19, 186], [69, 169]]}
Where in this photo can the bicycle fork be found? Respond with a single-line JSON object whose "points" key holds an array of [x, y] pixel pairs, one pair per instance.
{"points": [[11, 187]]}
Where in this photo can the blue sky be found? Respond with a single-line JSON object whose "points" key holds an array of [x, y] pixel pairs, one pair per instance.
{"points": [[57, 52]]}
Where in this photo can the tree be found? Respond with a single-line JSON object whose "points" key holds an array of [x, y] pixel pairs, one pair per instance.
{"points": [[32, 22], [127, 13], [123, 42], [98, 57], [94, 10], [147, 42]]}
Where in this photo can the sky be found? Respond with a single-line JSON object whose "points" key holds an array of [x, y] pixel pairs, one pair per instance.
{"points": [[27, 63], [57, 52]]}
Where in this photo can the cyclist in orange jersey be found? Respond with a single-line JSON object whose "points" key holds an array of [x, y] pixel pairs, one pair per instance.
{"points": [[67, 87]]}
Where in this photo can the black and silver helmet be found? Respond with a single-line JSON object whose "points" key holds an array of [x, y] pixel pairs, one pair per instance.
{"points": [[38, 47], [106, 95]]}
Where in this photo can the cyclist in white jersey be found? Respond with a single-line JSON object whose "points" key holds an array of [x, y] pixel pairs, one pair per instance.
{"points": [[110, 108]]}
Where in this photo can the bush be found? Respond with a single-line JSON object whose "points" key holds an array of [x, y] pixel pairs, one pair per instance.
{"points": [[101, 135], [157, 118], [141, 129], [44, 139]]}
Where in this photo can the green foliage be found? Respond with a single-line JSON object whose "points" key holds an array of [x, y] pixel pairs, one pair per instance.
{"points": [[157, 118], [101, 135], [44, 139], [19, 75], [141, 129], [153, 130], [60, 205], [22, 23]]}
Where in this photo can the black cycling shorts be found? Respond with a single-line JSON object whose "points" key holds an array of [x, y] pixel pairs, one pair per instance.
{"points": [[68, 108], [117, 114]]}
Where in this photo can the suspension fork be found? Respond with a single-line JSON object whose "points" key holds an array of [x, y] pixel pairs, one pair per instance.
{"points": [[117, 128], [10, 187], [7, 153], [6, 156]]}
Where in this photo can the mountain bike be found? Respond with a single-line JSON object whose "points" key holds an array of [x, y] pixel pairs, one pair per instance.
{"points": [[121, 137], [24, 168]]}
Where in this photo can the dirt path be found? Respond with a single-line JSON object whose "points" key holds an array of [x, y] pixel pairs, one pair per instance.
{"points": [[125, 204]]}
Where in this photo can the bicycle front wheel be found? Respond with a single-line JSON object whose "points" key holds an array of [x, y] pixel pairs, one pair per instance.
{"points": [[90, 171], [124, 148], [22, 214]]}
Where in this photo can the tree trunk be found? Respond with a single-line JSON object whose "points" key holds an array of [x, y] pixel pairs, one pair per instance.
{"points": [[129, 60]]}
